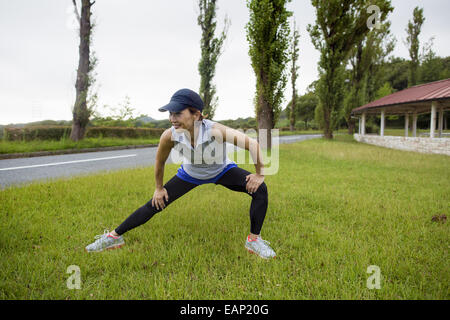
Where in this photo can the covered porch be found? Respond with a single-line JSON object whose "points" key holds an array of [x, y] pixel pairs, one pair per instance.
{"points": [[432, 98]]}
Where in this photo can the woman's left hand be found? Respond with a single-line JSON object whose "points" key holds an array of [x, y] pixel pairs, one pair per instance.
{"points": [[254, 180]]}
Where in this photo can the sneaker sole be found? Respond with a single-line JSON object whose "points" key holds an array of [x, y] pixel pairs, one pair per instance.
{"points": [[253, 252], [118, 246]]}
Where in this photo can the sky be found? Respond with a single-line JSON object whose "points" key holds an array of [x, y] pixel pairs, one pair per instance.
{"points": [[148, 49]]}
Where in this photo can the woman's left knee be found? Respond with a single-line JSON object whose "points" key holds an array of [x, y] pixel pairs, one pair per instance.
{"points": [[262, 190]]}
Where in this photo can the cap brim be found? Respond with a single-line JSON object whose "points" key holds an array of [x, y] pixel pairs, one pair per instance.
{"points": [[173, 106]]}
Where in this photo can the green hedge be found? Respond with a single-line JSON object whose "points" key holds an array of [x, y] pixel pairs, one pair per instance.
{"points": [[60, 132], [124, 132]]}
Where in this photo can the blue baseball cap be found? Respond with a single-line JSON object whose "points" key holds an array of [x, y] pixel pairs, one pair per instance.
{"points": [[183, 99]]}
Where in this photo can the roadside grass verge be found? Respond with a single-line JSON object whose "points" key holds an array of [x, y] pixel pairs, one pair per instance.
{"points": [[335, 208], [65, 144], [289, 133], [7, 147], [53, 145]]}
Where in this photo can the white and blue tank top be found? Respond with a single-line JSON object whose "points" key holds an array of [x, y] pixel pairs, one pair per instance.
{"points": [[205, 163]]}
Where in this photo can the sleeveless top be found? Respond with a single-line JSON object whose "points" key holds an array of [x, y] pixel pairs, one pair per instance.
{"points": [[209, 157]]}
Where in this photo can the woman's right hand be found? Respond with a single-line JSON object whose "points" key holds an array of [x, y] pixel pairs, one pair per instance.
{"points": [[158, 198]]}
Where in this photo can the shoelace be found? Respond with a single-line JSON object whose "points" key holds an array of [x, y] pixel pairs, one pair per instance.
{"points": [[99, 236], [265, 248]]}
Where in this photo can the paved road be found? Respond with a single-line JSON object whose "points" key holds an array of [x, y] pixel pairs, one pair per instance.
{"points": [[26, 170]]}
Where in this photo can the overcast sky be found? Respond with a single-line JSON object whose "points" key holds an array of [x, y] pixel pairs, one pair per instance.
{"points": [[148, 49]]}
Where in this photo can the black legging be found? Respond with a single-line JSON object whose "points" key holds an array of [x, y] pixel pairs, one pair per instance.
{"points": [[233, 179]]}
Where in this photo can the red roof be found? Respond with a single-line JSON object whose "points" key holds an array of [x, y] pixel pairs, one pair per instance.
{"points": [[425, 92]]}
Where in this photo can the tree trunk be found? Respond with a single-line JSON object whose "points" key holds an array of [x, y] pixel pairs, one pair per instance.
{"points": [[351, 126], [327, 130], [292, 114], [265, 122], [328, 134], [292, 127], [294, 100], [77, 131], [80, 110]]}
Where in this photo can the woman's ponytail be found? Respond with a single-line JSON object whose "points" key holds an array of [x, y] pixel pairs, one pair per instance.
{"points": [[194, 111]]}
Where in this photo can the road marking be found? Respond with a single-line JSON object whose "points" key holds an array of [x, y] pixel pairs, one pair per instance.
{"points": [[66, 162]]}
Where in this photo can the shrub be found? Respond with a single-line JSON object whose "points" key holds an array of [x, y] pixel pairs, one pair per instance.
{"points": [[37, 133], [124, 132], [63, 132]]}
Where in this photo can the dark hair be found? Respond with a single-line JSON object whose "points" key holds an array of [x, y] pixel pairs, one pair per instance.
{"points": [[194, 111]]}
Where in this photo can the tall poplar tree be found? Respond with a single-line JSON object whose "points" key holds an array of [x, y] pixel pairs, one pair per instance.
{"points": [[339, 26], [412, 42], [268, 37], [211, 48], [80, 111], [293, 55], [366, 60]]}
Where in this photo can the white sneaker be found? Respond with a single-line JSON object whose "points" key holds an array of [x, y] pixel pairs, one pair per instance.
{"points": [[260, 247], [105, 241]]}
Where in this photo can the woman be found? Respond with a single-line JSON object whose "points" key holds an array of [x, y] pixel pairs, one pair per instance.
{"points": [[202, 144]]}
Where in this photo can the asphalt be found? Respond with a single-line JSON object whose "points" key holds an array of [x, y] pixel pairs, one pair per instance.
{"points": [[30, 168]]}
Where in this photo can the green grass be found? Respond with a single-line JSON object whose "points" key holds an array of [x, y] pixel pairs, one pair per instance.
{"points": [[335, 208], [401, 132], [52, 145], [288, 133]]}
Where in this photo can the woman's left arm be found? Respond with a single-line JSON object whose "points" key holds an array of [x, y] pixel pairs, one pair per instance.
{"points": [[243, 141]]}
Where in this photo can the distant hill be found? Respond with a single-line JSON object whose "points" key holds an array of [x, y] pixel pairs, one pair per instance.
{"points": [[40, 123], [146, 119], [249, 122]]}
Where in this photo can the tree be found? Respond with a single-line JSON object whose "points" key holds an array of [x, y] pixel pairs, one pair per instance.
{"points": [[211, 49], [396, 73], [268, 37], [81, 112], [293, 55], [121, 116], [124, 111], [381, 43], [306, 106], [445, 73], [412, 42], [366, 60], [432, 68], [385, 90], [339, 26]]}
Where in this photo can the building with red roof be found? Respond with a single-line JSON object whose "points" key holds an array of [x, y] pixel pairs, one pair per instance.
{"points": [[433, 97]]}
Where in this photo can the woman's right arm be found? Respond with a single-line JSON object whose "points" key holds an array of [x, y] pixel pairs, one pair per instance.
{"points": [[165, 146]]}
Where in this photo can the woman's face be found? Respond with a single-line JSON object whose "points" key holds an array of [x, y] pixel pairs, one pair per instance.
{"points": [[183, 119]]}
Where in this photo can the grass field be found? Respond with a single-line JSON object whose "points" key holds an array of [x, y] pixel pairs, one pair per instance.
{"points": [[335, 208]]}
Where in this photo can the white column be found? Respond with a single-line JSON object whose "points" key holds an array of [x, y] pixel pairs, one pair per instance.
{"points": [[441, 121], [363, 124], [433, 119], [382, 124], [359, 125], [406, 124], [414, 124]]}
